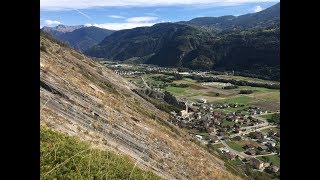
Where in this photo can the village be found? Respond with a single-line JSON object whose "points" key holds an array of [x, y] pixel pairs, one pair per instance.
{"points": [[216, 127], [129, 70], [238, 132]]}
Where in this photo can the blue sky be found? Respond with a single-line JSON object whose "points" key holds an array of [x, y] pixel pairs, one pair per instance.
{"points": [[126, 14]]}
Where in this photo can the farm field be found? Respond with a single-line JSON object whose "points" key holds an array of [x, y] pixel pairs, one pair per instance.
{"points": [[245, 78], [268, 99], [266, 116]]}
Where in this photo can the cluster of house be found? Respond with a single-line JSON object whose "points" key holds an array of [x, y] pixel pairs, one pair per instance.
{"points": [[206, 119], [128, 73], [256, 110], [255, 162], [219, 84], [132, 71], [150, 68], [260, 165], [251, 111], [161, 69], [267, 142]]}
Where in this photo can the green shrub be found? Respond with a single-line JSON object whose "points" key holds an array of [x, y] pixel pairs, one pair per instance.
{"points": [[43, 48], [245, 92], [66, 157]]}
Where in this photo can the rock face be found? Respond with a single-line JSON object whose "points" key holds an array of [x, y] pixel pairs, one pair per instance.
{"points": [[85, 99]]}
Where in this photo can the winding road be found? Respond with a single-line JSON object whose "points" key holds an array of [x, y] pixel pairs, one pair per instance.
{"points": [[144, 82]]}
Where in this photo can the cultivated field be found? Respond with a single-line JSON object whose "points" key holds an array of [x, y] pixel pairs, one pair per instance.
{"points": [[214, 92]]}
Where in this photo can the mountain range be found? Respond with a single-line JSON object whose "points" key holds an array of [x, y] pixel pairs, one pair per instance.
{"points": [[79, 37], [248, 44]]}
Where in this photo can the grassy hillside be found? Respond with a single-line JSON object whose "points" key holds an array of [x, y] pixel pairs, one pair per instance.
{"points": [[66, 157]]}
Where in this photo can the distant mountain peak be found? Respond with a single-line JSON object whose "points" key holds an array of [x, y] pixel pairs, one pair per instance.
{"points": [[80, 37], [62, 28]]}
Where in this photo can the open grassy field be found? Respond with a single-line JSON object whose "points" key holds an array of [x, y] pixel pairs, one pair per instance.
{"points": [[274, 159], [195, 131], [258, 89], [238, 99], [236, 162], [197, 87], [237, 145], [65, 157], [177, 91], [216, 146], [185, 81], [268, 96], [266, 116], [245, 79], [220, 110], [226, 123], [241, 108], [192, 83]]}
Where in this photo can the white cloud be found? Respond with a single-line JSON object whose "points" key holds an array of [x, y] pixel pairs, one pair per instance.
{"points": [[116, 17], [142, 19], [257, 9], [119, 26], [83, 4], [129, 23], [51, 22]]}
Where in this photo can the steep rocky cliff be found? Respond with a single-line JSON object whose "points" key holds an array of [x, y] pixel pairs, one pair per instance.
{"points": [[83, 98]]}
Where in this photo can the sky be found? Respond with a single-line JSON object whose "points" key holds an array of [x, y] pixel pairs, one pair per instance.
{"points": [[127, 14]]}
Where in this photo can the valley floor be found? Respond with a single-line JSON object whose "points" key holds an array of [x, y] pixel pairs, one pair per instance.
{"points": [[225, 120]]}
